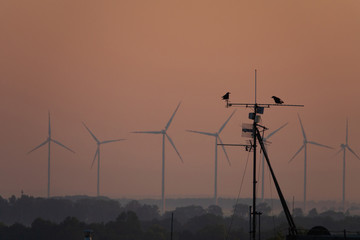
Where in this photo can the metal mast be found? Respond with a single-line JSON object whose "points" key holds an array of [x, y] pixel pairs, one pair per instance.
{"points": [[259, 109], [253, 231]]}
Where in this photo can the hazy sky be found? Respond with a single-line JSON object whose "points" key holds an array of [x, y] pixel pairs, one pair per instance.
{"points": [[122, 66]]}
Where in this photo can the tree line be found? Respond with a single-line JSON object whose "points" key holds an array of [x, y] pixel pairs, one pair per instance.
{"points": [[57, 218]]}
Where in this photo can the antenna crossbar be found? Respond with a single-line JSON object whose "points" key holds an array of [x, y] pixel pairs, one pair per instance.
{"points": [[234, 144], [264, 105], [247, 146]]}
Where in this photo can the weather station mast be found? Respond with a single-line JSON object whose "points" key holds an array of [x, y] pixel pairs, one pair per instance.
{"points": [[254, 131]]}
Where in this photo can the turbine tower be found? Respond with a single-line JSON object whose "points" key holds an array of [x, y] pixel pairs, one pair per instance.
{"points": [[343, 148], [304, 146], [97, 154], [48, 141], [263, 162], [216, 135], [164, 134]]}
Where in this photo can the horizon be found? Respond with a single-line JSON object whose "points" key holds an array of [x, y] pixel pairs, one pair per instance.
{"points": [[226, 204]]}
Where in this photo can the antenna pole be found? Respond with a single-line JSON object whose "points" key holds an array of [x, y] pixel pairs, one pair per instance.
{"points": [[254, 165], [98, 173], [259, 109], [172, 225], [250, 222], [255, 87], [253, 230], [254, 175], [48, 190]]}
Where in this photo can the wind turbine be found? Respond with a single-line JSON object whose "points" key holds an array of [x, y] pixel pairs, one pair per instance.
{"points": [[97, 153], [48, 141], [217, 138], [304, 146], [263, 162], [343, 148], [164, 134]]}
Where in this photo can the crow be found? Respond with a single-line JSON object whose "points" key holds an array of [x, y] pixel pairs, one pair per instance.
{"points": [[277, 100], [226, 96]]}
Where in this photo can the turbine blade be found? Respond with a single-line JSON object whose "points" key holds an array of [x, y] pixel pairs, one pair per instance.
{"points": [[302, 128], [352, 151], [337, 153], [301, 148], [172, 117], [223, 147], [272, 133], [96, 153], [151, 132], [172, 143], [42, 144], [222, 127], [115, 140], [347, 133], [204, 133], [91, 133], [320, 145], [62, 145]]}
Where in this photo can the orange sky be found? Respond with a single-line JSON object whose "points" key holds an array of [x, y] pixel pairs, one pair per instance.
{"points": [[122, 66]]}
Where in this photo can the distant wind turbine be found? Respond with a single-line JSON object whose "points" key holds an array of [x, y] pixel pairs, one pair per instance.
{"points": [[164, 134], [216, 135], [343, 148], [97, 153], [263, 162], [48, 141], [304, 146]]}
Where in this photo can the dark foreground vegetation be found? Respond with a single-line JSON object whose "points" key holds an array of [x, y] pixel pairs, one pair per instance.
{"points": [[58, 218]]}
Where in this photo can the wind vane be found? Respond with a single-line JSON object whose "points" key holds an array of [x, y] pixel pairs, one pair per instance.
{"points": [[252, 131]]}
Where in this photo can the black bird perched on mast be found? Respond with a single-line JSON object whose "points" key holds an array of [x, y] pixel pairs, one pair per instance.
{"points": [[226, 96], [277, 100]]}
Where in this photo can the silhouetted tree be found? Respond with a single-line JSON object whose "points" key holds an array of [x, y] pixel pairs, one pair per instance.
{"points": [[70, 229], [96, 209], [190, 223], [43, 229], [155, 232], [333, 215], [298, 212], [241, 210], [215, 210], [264, 208], [197, 223], [209, 232], [313, 213], [126, 226], [12, 200], [144, 212], [183, 214], [15, 232]]}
